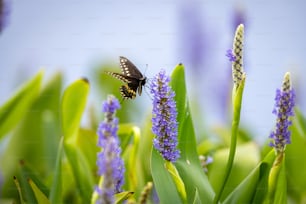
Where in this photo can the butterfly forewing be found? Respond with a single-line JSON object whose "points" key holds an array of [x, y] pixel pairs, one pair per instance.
{"points": [[129, 69]]}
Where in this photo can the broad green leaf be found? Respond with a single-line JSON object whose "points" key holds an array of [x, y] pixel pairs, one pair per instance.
{"points": [[262, 186], [56, 189], [40, 196], [17, 106], [163, 181], [247, 157], [197, 198], [126, 132], [254, 186], [295, 159], [143, 165], [130, 156], [72, 108], [188, 165], [274, 177], [87, 144], [281, 188]]}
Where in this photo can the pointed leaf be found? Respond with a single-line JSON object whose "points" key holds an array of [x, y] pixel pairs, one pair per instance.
{"points": [[254, 186], [40, 196], [163, 182], [188, 165], [72, 108], [56, 189], [120, 197], [17, 106]]}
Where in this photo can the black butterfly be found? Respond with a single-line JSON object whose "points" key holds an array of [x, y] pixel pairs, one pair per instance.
{"points": [[131, 76]]}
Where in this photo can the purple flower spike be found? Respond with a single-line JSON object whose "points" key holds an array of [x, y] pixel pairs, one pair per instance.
{"points": [[109, 163], [284, 103], [164, 124]]}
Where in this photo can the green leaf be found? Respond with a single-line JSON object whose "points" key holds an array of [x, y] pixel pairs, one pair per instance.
{"points": [[247, 157], [131, 144], [36, 145], [120, 197], [17, 106], [254, 187], [262, 186], [72, 108], [27, 173], [277, 190], [177, 179], [163, 182], [281, 188], [197, 198], [188, 165], [295, 159], [40, 196], [56, 189]]}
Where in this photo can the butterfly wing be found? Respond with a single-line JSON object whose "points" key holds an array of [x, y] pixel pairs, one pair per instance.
{"points": [[129, 69], [121, 77], [127, 92]]}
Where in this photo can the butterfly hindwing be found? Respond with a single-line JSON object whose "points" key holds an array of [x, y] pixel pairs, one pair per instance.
{"points": [[127, 92], [121, 77], [131, 76]]}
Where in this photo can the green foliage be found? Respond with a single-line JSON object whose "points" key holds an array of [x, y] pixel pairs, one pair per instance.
{"points": [[47, 156]]}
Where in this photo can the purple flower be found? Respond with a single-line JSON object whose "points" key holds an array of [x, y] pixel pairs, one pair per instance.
{"points": [[164, 124], [230, 55], [109, 163], [4, 13], [284, 103]]}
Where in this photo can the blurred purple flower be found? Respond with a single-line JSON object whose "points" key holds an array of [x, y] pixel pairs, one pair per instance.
{"points": [[4, 13], [194, 40], [164, 123], [284, 104], [239, 16], [109, 163]]}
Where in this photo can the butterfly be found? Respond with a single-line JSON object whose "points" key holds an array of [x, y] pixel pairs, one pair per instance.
{"points": [[133, 78]]}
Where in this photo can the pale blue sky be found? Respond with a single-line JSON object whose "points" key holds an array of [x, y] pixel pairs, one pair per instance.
{"points": [[74, 35]]}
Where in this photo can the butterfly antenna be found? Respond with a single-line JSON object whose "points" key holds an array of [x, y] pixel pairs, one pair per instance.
{"points": [[147, 86]]}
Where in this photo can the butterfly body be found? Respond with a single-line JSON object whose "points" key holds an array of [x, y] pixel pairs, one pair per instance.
{"points": [[133, 78]]}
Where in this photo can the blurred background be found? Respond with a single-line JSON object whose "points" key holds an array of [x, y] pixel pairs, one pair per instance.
{"points": [[78, 37]]}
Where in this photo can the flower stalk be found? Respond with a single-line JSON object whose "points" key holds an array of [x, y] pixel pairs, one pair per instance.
{"points": [[239, 76]]}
